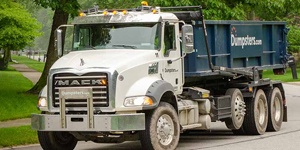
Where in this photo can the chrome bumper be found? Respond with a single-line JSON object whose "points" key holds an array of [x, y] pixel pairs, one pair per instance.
{"points": [[115, 122]]}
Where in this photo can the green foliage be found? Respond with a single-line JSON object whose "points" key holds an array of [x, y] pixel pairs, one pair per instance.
{"points": [[117, 4], [17, 136], [294, 39], [270, 9], [18, 28], [68, 6], [14, 102], [218, 10], [29, 5], [215, 10], [44, 16]]}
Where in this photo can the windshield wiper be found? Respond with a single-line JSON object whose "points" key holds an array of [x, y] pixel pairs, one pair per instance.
{"points": [[125, 46]]}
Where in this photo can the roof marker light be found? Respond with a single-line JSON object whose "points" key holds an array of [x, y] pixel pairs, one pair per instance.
{"points": [[124, 12], [81, 14], [154, 11], [144, 3], [104, 13]]}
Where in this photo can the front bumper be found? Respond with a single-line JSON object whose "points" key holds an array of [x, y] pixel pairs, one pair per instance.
{"points": [[115, 122]]}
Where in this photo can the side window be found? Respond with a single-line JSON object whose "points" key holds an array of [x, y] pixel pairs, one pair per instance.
{"points": [[169, 38]]}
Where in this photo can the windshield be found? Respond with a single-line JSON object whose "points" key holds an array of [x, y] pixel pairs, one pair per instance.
{"points": [[117, 36]]}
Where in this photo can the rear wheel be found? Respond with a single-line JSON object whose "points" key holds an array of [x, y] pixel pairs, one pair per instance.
{"points": [[275, 104], [50, 140], [239, 131], [162, 129], [256, 118], [237, 109]]}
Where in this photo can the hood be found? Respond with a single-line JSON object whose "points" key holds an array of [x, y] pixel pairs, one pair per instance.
{"points": [[116, 59]]}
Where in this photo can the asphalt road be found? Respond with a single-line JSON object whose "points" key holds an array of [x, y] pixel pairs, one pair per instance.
{"points": [[219, 138]]}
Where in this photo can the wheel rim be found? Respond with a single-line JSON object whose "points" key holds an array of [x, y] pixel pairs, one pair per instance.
{"points": [[261, 111], [165, 129], [239, 110], [277, 109]]}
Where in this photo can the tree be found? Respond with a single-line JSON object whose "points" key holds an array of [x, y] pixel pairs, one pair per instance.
{"points": [[62, 9], [216, 9], [213, 10], [287, 10], [18, 29]]}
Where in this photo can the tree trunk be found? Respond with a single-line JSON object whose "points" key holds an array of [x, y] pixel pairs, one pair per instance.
{"points": [[5, 60], [7, 57], [60, 17]]}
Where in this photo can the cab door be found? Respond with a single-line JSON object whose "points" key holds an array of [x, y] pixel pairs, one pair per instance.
{"points": [[173, 64]]}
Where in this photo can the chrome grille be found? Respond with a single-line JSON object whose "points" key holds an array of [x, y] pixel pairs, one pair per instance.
{"points": [[93, 80]]}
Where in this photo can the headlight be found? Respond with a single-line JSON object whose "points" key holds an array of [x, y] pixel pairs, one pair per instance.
{"points": [[138, 101], [42, 104]]}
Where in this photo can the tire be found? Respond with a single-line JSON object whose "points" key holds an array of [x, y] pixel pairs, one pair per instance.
{"points": [[161, 122], [239, 131], [51, 140], [275, 104], [237, 109], [256, 118]]}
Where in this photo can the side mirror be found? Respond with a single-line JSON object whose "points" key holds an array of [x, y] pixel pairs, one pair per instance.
{"points": [[58, 42], [187, 39]]}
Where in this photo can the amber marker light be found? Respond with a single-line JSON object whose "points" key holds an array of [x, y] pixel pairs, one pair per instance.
{"points": [[154, 11], [81, 14], [148, 101], [103, 82], [124, 12], [205, 95], [114, 12], [104, 13], [250, 89], [144, 3]]}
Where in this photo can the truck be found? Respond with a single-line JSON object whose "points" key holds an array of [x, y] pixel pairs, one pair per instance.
{"points": [[152, 73]]}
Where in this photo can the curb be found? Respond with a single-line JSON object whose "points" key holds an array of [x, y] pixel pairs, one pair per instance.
{"points": [[19, 147], [15, 123]]}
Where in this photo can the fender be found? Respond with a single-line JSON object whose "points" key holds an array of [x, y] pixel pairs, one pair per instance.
{"points": [[156, 91], [153, 87]]}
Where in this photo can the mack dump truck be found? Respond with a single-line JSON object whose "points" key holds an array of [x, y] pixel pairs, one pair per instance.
{"points": [[152, 73]]}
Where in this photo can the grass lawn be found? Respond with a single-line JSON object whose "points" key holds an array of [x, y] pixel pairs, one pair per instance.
{"points": [[17, 136], [287, 77], [38, 66], [15, 103]]}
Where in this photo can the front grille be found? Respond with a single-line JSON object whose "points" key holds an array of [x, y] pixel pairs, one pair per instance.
{"points": [[94, 80]]}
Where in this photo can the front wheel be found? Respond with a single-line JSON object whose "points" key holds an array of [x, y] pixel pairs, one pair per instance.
{"points": [[162, 129], [51, 140], [237, 109]]}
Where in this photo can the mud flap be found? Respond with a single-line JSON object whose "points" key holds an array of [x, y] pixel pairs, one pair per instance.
{"points": [[285, 114]]}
